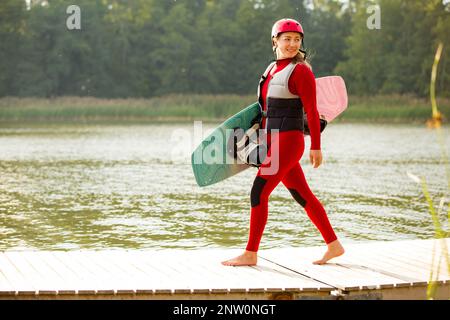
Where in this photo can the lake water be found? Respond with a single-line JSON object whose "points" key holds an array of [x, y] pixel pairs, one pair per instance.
{"points": [[86, 186]]}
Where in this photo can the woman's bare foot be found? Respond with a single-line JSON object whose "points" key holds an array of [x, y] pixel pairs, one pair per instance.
{"points": [[335, 249], [248, 258]]}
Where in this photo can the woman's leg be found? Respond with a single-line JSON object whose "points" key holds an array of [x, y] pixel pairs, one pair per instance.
{"points": [[296, 183], [261, 190], [263, 186], [259, 199]]}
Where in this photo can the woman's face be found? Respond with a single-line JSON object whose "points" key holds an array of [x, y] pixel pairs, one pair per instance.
{"points": [[287, 44]]}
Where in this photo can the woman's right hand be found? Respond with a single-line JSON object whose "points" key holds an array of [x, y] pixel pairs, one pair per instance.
{"points": [[315, 156]]}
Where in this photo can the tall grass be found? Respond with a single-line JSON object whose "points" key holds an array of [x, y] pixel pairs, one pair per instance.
{"points": [[173, 107], [391, 108], [386, 108]]}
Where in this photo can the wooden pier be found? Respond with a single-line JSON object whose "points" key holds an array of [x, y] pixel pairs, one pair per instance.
{"points": [[370, 270]]}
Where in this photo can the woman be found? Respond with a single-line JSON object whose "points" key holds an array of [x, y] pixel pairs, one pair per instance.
{"points": [[287, 86]]}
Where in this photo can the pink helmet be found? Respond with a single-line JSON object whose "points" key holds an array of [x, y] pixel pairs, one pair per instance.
{"points": [[286, 25]]}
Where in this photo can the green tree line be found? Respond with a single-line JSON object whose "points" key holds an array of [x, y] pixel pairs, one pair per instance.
{"points": [[148, 48]]}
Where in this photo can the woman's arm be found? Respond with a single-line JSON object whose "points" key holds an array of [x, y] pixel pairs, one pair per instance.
{"points": [[303, 84]]}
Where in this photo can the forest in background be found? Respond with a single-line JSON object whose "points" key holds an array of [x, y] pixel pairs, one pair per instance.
{"points": [[153, 48]]}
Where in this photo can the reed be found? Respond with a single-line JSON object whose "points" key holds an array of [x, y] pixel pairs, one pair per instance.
{"points": [[435, 123], [440, 235]]}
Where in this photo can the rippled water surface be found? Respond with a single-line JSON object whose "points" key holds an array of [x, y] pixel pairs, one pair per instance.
{"points": [[66, 186]]}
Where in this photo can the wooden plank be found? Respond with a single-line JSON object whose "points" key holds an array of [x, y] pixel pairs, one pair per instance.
{"points": [[326, 276], [358, 261], [419, 245], [84, 278], [442, 253], [403, 250], [379, 278], [206, 263], [18, 281], [197, 268], [72, 282], [273, 276], [400, 252], [90, 282], [401, 267], [234, 279], [396, 251], [201, 270], [360, 278], [178, 280], [52, 280], [428, 244], [147, 276], [132, 271], [385, 255], [30, 280], [100, 261], [168, 280], [277, 277], [109, 278], [364, 266], [170, 265], [206, 266], [390, 256], [209, 261], [377, 257], [332, 273], [6, 286], [305, 254], [213, 272], [155, 279]]}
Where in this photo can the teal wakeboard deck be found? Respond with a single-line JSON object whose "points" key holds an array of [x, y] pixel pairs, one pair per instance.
{"points": [[212, 163]]}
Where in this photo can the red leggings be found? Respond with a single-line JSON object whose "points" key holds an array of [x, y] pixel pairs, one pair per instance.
{"points": [[290, 145]]}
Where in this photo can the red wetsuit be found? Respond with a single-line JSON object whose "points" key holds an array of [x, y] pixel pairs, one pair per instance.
{"points": [[290, 145]]}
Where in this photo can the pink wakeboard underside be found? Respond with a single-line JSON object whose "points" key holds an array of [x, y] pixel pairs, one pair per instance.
{"points": [[331, 96]]}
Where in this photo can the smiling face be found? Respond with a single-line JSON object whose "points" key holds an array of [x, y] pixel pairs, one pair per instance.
{"points": [[287, 44]]}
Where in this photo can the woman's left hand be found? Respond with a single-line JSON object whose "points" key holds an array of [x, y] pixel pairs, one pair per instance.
{"points": [[315, 156]]}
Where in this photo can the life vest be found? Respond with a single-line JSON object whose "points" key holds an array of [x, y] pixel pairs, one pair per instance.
{"points": [[284, 109]]}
